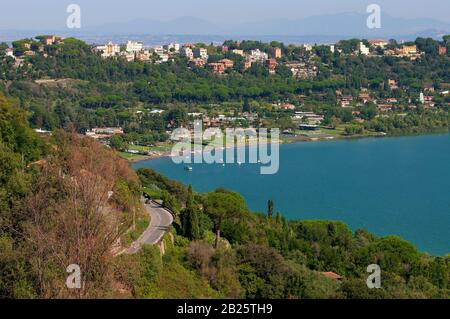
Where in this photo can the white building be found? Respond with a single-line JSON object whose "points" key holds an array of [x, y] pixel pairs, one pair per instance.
{"points": [[307, 47], [200, 53], [258, 56], [133, 46], [108, 50], [9, 52], [238, 52], [161, 53], [163, 58], [130, 56], [363, 49], [174, 46], [187, 53], [159, 50]]}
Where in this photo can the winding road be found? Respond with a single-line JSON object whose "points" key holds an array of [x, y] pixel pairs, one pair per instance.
{"points": [[161, 219]]}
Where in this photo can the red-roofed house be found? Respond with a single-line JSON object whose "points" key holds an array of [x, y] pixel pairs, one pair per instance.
{"points": [[218, 68], [227, 63]]}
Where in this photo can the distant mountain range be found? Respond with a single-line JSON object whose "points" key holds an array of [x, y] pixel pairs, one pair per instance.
{"points": [[342, 24], [315, 28]]}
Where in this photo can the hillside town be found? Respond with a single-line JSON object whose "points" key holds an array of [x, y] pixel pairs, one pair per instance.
{"points": [[303, 63]]}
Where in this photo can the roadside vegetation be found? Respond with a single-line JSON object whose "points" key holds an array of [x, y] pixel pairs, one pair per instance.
{"points": [[267, 256], [68, 199]]}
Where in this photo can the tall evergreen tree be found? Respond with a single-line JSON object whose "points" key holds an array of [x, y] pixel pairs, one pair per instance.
{"points": [[191, 228], [246, 107], [270, 208]]}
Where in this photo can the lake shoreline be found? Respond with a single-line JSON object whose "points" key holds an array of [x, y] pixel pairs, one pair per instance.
{"points": [[300, 139], [363, 184]]}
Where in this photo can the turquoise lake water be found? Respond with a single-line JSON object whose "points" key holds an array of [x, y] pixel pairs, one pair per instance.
{"points": [[390, 186]]}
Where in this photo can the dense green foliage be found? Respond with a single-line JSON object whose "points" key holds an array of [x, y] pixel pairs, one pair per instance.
{"points": [[190, 219], [255, 256], [63, 200], [18, 147], [219, 248], [94, 92], [264, 257]]}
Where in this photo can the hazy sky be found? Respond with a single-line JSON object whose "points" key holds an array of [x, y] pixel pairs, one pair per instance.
{"points": [[40, 14]]}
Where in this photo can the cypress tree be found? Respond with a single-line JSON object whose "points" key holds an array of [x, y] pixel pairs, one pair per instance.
{"points": [[191, 228], [270, 208]]}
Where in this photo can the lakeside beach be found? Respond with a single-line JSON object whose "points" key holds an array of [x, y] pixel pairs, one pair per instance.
{"points": [[133, 158]]}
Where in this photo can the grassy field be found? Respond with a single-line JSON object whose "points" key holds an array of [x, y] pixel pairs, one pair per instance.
{"points": [[132, 157], [151, 150], [139, 148], [339, 131]]}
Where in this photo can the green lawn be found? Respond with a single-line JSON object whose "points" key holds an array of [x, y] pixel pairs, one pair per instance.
{"points": [[138, 148], [131, 157], [339, 131], [165, 147]]}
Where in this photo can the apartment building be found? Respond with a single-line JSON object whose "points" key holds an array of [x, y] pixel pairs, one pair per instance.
{"points": [[172, 47], [201, 53], [199, 63], [275, 53], [301, 70], [227, 63], [258, 56], [133, 46], [108, 50], [187, 52], [238, 52], [272, 65], [363, 49]]}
